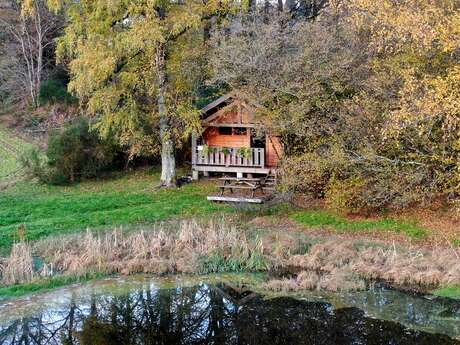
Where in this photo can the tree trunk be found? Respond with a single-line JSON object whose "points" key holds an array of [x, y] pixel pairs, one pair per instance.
{"points": [[290, 5], [252, 4], [168, 162], [280, 5]]}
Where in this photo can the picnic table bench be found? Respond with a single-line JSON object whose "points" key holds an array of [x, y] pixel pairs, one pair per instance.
{"points": [[236, 183]]}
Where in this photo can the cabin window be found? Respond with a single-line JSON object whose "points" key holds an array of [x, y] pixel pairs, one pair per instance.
{"points": [[225, 130], [240, 131]]}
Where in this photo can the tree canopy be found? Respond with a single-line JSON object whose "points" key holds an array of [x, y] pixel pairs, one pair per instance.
{"points": [[364, 94], [136, 66]]}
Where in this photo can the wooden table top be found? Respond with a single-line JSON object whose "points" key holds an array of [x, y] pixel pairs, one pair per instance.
{"points": [[240, 179]]}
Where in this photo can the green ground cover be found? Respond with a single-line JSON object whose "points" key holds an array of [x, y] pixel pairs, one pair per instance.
{"points": [[45, 285], [11, 147], [129, 199], [449, 291], [326, 219], [133, 199]]}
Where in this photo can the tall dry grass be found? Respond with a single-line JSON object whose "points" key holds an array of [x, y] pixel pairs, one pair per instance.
{"points": [[342, 265], [183, 249], [19, 266], [218, 246]]}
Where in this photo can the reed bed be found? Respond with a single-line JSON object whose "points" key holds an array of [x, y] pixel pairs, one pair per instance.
{"points": [[19, 267], [342, 265], [187, 248], [218, 246]]}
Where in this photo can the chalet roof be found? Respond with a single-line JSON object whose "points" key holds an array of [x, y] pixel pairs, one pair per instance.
{"points": [[223, 100], [217, 102]]}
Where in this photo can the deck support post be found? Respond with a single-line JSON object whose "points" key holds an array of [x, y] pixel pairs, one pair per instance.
{"points": [[195, 175], [206, 173], [239, 175], [194, 147]]}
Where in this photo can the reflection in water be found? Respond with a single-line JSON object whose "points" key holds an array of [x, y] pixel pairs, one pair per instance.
{"points": [[204, 314]]}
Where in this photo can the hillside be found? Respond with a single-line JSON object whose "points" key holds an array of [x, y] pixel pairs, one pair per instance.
{"points": [[11, 148]]}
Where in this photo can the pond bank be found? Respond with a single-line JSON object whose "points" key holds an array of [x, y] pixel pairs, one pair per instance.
{"points": [[308, 262]]}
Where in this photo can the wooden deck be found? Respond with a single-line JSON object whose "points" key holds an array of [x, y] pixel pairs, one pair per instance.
{"points": [[231, 158], [229, 161]]}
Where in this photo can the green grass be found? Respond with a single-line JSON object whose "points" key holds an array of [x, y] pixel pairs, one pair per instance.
{"points": [[11, 148], [322, 219], [44, 285], [130, 199], [449, 291]]}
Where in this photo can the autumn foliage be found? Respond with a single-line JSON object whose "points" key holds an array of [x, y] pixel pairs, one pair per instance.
{"points": [[366, 98]]}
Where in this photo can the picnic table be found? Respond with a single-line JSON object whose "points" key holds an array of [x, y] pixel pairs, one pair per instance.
{"points": [[239, 183]]}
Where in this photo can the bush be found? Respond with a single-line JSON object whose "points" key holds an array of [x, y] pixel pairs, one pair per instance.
{"points": [[346, 195], [311, 172], [359, 181], [35, 164], [54, 90], [72, 154]]}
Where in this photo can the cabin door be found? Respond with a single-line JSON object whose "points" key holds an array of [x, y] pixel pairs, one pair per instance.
{"points": [[258, 142]]}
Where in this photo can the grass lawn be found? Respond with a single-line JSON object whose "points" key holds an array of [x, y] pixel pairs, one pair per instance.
{"points": [[129, 199], [449, 291], [325, 219], [132, 199]]}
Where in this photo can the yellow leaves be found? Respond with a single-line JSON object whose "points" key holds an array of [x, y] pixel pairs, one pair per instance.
{"points": [[112, 44], [396, 25], [449, 33], [417, 41], [28, 8], [92, 68]]}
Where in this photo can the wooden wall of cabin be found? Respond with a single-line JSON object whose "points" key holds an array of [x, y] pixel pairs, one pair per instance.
{"points": [[273, 151], [212, 137]]}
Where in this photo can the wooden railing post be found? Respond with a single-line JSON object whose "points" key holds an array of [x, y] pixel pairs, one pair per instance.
{"points": [[262, 158]]}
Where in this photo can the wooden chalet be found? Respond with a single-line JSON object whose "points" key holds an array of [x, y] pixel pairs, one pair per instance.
{"points": [[231, 140]]}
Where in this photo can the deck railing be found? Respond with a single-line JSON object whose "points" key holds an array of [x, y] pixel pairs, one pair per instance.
{"points": [[230, 157]]}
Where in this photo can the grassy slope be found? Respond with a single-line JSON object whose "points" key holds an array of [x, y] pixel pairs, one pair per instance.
{"points": [[126, 200], [132, 199], [10, 148]]}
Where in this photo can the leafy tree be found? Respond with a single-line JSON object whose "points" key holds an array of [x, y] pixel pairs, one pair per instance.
{"points": [[29, 30], [135, 65], [365, 98]]}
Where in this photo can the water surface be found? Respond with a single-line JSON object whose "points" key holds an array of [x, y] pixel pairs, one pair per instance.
{"points": [[221, 310]]}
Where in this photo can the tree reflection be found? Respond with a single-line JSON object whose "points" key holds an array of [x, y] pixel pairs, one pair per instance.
{"points": [[205, 315]]}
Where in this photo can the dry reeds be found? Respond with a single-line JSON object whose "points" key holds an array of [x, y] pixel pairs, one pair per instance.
{"points": [[154, 251], [341, 265], [194, 247], [19, 266]]}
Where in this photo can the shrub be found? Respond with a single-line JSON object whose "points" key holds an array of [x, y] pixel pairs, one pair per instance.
{"points": [[54, 91], [73, 153], [346, 195], [311, 172], [360, 180], [35, 164]]}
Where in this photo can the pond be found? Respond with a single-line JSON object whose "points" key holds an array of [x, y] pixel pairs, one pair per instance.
{"points": [[222, 309]]}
